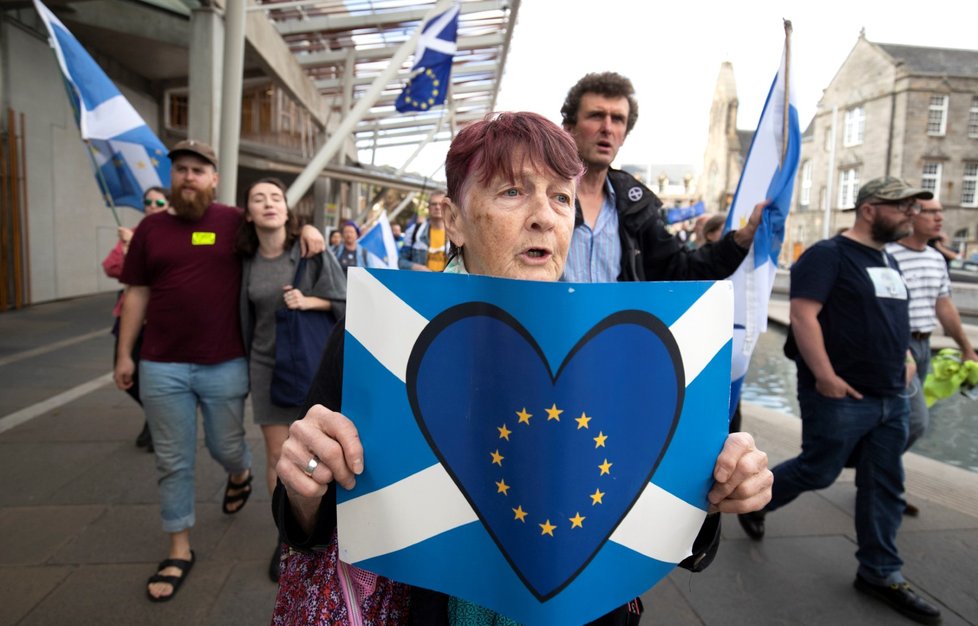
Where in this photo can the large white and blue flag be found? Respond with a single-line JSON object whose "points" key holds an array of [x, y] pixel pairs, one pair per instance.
{"points": [[769, 173], [128, 157], [432, 70], [540, 449], [380, 244]]}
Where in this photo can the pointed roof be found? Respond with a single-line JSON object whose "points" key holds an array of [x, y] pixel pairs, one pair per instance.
{"points": [[939, 61]]}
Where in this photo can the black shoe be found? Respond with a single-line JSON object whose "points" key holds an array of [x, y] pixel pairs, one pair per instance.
{"points": [[910, 510], [144, 439], [275, 565], [902, 598], [753, 524]]}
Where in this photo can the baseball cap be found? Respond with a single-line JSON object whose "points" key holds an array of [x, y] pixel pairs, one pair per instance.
{"points": [[196, 148], [889, 188]]}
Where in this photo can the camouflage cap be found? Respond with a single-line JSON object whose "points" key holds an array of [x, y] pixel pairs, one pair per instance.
{"points": [[197, 148], [889, 188]]}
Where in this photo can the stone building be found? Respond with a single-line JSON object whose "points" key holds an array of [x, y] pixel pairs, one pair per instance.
{"points": [[726, 146], [897, 110]]}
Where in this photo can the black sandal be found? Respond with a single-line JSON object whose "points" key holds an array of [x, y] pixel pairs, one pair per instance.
{"points": [[244, 492], [174, 581]]}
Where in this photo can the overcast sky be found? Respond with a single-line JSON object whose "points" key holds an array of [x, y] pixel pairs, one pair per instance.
{"points": [[672, 52]]}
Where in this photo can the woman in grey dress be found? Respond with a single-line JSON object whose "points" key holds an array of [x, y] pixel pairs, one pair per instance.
{"points": [[270, 250]]}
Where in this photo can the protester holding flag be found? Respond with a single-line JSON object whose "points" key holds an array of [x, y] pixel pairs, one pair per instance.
{"points": [[510, 213], [154, 201], [268, 244]]}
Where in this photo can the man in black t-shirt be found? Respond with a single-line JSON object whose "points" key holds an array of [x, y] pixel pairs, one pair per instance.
{"points": [[849, 335]]}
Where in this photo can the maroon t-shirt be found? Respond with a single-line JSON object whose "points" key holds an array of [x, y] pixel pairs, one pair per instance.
{"points": [[194, 278]]}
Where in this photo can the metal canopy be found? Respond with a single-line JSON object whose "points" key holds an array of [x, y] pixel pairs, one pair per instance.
{"points": [[344, 45]]}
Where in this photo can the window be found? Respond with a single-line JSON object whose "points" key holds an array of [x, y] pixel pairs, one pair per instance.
{"points": [[931, 179], [853, 127], [973, 118], [848, 188], [937, 115], [969, 184], [806, 184]]}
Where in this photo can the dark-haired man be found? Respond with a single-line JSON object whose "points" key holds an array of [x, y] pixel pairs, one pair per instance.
{"points": [[184, 277], [849, 336], [619, 234]]}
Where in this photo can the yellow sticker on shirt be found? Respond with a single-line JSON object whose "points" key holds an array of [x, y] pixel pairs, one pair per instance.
{"points": [[203, 239]]}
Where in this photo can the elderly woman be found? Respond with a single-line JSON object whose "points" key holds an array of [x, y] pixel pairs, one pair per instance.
{"points": [[510, 213]]}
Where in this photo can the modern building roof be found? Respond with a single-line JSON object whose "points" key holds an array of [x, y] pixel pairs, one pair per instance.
{"points": [[343, 45]]}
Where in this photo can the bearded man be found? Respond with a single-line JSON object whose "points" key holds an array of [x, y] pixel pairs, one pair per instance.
{"points": [[184, 277], [849, 335]]}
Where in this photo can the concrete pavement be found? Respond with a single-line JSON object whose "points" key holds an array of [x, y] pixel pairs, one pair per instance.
{"points": [[79, 529]]}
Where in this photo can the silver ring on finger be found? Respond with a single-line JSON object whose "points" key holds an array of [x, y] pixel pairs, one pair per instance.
{"points": [[311, 466]]}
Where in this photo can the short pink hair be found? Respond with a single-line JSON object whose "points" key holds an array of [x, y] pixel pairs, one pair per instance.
{"points": [[485, 150]]}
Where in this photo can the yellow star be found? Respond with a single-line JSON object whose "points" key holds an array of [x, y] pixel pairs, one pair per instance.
{"points": [[502, 487], [582, 421], [524, 416], [519, 513], [497, 459], [604, 467], [599, 440], [553, 413], [155, 162], [504, 432], [596, 497], [577, 521], [140, 165], [547, 528]]}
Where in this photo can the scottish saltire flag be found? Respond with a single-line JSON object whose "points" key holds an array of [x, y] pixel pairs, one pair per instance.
{"points": [[681, 214], [769, 173], [432, 69], [380, 245], [540, 449], [128, 156]]}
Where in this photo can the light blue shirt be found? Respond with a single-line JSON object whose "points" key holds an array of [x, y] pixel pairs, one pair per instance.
{"points": [[595, 254]]}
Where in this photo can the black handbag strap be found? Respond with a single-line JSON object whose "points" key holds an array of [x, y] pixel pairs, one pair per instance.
{"points": [[299, 268]]}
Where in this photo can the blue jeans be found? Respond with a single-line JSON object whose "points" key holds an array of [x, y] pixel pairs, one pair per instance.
{"points": [[876, 429], [919, 415], [171, 393]]}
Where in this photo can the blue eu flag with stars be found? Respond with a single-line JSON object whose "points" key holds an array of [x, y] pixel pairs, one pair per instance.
{"points": [[432, 69]]}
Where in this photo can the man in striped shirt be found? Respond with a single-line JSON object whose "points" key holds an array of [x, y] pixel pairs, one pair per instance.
{"points": [[925, 273]]}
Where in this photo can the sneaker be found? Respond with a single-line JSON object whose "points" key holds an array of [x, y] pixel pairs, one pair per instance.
{"points": [[910, 510], [144, 439], [753, 524], [901, 598]]}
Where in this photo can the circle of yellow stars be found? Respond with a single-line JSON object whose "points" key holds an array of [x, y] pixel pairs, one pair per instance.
{"points": [[424, 104], [553, 415]]}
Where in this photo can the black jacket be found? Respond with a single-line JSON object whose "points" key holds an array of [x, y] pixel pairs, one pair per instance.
{"points": [[649, 252]]}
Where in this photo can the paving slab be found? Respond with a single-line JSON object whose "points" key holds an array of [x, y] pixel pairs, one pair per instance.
{"points": [[31, 472], [943, 564], [24, 588], [246, 598], [32, 535]]}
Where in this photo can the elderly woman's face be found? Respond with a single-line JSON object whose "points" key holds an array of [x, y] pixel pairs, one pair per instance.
{"points": [[515, 229]]}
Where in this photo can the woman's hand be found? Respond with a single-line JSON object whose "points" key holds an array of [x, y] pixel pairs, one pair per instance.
{"points": [[294, 298], [332, 441], [743, 481]]}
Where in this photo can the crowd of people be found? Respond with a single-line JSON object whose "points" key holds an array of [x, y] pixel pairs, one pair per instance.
{"points": [[525, 199]]}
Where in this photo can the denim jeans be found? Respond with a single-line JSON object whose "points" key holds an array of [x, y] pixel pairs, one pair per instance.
{"points": [[874, 427], [919, 415], [171, 393]]}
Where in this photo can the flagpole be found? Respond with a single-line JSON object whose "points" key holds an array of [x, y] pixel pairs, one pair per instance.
{"points": [[787, 89], [88, 148]]}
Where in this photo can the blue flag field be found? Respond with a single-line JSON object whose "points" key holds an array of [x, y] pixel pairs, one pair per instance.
{"points": [[540, 449]]}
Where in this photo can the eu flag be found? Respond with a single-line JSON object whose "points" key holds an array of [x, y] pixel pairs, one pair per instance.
{"points": [[128, 156], [540, 449], [432, 69]]}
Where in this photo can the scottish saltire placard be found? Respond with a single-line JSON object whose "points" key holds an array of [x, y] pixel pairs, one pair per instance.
{"points": [[540, 449]]}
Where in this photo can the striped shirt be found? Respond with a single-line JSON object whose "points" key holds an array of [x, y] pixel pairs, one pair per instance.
{"points": [[595, 254], [925, 273]]}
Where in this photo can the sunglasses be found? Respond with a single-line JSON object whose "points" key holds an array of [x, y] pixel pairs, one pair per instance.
{"points": [[910, 208], [159, 202]]}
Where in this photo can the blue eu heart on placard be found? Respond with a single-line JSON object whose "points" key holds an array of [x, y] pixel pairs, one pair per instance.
{"points": [[550, 462]]}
